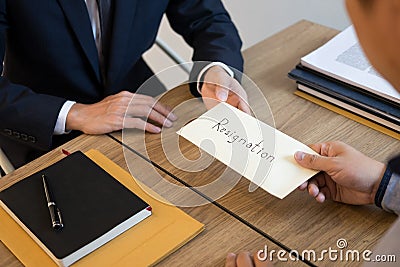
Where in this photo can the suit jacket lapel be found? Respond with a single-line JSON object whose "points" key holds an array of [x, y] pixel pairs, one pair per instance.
{"points": [[123, 19], [76, 13]]}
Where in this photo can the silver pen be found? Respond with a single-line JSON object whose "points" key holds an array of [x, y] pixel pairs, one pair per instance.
{"points": [[55, 213]]}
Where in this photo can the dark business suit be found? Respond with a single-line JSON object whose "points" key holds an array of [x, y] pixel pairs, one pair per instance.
{"points": [[50, 57]]}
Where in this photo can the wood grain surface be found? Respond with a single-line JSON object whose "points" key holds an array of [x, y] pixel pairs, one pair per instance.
{"points": [[241, 220], [297, 221]]}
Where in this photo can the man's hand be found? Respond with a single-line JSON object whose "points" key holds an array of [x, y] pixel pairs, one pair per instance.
{"points": [[245, 259], [218, 86], [108, 115], [348, 175]]}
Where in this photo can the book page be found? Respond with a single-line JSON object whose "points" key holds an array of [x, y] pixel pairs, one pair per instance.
{"points": [[343, 58], [252, 148]]}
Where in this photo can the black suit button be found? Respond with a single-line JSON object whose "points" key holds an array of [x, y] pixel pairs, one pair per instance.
{"points": [[17, 135], [24, 137], [32, 139]]}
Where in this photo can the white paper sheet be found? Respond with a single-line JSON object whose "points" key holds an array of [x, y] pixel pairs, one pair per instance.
{"points": [[343, 58], [252, 148]]}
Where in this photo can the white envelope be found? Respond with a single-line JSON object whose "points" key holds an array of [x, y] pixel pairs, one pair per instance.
{"points": [[252, 148]]}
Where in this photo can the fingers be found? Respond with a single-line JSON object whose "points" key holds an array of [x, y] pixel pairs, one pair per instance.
{"points": [[233, 95], [317, 188], [238, 97], [108, 114], [244, 259], [145, 111], [330, 149], [166, 111], [243, 106], [230, 260], [221, 93], [137, 123], [148, 108], [159, 118], [303, 186], [224, 88], [315, 192], [313, 189], [152, 103], [320, 197], [314, 162], [316, 147]]}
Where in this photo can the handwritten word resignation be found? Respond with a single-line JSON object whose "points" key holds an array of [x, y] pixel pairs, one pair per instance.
{"points": [[233, 137]]}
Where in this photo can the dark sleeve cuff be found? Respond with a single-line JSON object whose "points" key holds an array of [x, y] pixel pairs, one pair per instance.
{"points": [[198, 67], [382, 186]]}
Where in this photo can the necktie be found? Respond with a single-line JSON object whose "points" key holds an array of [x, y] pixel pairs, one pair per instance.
{"points": [[93, 11], [105, 10], [100, 17]]}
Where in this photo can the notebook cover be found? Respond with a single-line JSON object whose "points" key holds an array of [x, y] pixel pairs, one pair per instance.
{"points": [[165, 231], [347, 114], [346, 93], [91, 201]]}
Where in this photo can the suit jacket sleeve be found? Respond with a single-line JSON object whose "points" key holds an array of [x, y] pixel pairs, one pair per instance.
{"points": [[25, 116], [207, 27]]}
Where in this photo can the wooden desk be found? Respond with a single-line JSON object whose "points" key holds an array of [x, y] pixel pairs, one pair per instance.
{"points": [[207, 249], [298, 222]]}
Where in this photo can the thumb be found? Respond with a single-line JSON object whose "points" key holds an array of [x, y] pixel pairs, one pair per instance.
{"points": [[314, 162], [221, 93], [230, 260]]}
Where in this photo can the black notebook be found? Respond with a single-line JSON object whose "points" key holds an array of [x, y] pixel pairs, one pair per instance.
{"points": [[95, 208]]}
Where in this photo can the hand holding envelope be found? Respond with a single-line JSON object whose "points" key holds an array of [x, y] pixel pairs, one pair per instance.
{"points": [[252, 148]]}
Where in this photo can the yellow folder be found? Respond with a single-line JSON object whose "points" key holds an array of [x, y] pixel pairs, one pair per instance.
{"points": [[348, 114], [145, 244]]}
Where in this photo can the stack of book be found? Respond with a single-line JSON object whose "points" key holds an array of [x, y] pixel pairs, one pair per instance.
{"points": [[339, 75]]}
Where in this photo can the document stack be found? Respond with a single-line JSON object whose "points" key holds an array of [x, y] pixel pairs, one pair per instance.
{"points": [[339, 76]]}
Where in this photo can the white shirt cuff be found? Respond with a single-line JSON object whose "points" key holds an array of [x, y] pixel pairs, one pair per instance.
{"points": [[206, 68], [62, 118]]}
